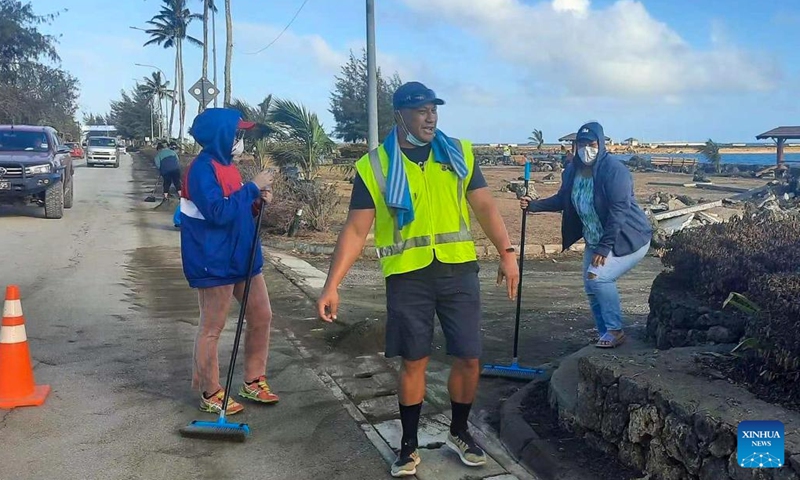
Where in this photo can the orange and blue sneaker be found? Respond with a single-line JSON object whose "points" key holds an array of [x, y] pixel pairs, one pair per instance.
{"points": [[213, 404], [258, 391]]}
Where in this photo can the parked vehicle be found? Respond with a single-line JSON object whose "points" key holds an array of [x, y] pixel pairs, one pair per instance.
{"points": [[77, 150], [102, 151], [35, 167]]}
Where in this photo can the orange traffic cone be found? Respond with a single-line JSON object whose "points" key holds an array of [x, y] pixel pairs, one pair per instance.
{"points": [[17, 388]]}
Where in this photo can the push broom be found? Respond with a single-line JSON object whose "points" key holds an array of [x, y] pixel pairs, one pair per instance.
{"points": [[514, 371], [222, 429]]}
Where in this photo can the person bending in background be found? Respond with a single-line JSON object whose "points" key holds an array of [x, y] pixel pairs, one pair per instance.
{"points": [[169, 168]]}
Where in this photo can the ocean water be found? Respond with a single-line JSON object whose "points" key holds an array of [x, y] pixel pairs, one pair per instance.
{"points": [[730, 158]]}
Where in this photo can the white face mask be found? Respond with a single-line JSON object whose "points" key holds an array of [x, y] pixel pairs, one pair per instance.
{"points": [[588, 154], [238, 148]]}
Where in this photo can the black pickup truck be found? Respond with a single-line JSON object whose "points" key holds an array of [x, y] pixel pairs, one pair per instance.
{"points": [[35, 167]]}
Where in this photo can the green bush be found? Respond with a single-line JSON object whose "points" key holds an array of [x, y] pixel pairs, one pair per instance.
{"points": [[353, 150]]}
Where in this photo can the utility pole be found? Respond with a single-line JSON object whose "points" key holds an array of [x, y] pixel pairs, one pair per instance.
{"points": [[372, 79]]}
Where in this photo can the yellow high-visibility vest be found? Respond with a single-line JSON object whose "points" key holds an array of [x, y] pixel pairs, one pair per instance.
{"points": [[441, 216]]}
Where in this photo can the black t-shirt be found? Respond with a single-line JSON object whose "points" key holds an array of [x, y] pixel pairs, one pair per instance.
{"points": [[361, 199]]}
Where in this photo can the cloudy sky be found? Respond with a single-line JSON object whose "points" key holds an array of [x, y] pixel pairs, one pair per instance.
{"points": [[654, 69]]}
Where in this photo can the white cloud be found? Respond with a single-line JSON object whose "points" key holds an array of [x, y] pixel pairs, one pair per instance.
{"points": [[251, 37], [616, 51]]}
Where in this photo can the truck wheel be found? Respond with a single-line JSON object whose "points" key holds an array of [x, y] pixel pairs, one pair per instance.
{"points": [[68, 198], [54, 201], [116, 164]]}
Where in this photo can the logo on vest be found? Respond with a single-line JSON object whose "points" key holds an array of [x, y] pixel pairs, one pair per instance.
{"points": [[760, 444]]}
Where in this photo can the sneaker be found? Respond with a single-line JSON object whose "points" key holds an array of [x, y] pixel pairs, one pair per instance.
{"points": [[464, 445], [406, 465], [258, 391], [214, 404]]}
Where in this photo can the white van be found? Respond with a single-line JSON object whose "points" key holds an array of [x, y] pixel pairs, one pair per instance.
{"points": [[102, 151]]}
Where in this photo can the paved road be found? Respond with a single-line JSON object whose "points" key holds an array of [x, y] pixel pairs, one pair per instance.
{"points": [[110, 323]]}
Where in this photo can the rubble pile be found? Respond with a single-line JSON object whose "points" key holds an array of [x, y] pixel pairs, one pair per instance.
{"points": [[777, 200]]}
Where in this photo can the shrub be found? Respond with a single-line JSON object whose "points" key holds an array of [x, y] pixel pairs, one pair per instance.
{"points": [[769, 363], [353, 151], [716, 260], [757, 255]]}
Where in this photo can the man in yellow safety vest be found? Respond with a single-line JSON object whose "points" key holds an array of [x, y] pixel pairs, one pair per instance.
{"points": [[417, 187]]}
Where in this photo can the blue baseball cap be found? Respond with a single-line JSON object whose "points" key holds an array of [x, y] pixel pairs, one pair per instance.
{"points": [[413, 95], [586, 134]]}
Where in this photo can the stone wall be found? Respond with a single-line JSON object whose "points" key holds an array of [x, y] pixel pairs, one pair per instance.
{"points": [[656, 414], [678, 319]]}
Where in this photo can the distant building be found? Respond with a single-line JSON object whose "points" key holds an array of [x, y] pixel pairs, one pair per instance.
{"points": [[631, 142]]}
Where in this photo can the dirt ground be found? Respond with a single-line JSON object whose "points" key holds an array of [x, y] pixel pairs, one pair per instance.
{"points": [[542, 228]]}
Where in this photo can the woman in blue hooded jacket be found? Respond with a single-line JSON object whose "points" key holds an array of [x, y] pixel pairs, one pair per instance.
{"points": [[597, 203], [217, 230]]}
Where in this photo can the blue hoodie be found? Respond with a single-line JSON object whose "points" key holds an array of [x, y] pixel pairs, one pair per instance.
{"points": [[626, 228], [217, 224]]}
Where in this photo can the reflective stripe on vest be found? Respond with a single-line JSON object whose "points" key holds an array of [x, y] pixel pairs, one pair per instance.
{"points": [[400, 245]]}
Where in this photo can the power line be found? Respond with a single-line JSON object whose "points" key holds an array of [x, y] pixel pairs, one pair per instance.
{"points": [[282, 31]]}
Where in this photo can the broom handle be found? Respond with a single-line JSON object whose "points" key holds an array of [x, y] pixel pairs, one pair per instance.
{"points": [[242, 309], [521, 263]]}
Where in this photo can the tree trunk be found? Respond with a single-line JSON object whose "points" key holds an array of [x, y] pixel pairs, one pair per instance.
{"points": [[182, 97], [174, 98], [205, 45], [228, 52]]}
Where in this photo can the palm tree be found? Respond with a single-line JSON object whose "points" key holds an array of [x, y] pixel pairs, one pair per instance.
{"points": [[258, 138], [228, 51], [208, 6], [157, 88], [303, 141], [538, 138], [711, 151], [170, 30]]}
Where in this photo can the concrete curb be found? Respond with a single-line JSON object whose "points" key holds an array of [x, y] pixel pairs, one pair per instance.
{"points": [[535, 251], [535, 454]]}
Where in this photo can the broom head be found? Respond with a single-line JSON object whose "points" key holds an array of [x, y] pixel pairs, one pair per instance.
{"points": [[219, 430]]}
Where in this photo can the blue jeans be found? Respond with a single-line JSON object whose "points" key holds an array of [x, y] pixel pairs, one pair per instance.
{"points": [[602, 289]]}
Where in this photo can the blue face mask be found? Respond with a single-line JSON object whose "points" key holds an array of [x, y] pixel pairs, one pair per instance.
{"points": [[415, 141], [410, 138]]}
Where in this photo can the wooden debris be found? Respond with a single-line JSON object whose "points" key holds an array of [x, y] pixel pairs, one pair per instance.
{"points": [[687, 210]]}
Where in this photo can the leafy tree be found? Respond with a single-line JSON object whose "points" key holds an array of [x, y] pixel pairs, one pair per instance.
{"points": [[711, 151], [131, 114], [257, 140], [32, 91], [96, 119], [157, 88], [302, 140], [170, 29], [349, 101], [21, 43]]}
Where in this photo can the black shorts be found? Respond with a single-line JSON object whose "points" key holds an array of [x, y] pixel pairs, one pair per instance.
{"points": [[413, 299]]}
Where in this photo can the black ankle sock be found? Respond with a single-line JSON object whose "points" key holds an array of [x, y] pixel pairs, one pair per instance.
{"points": [[460, 416], [409, 417]]}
